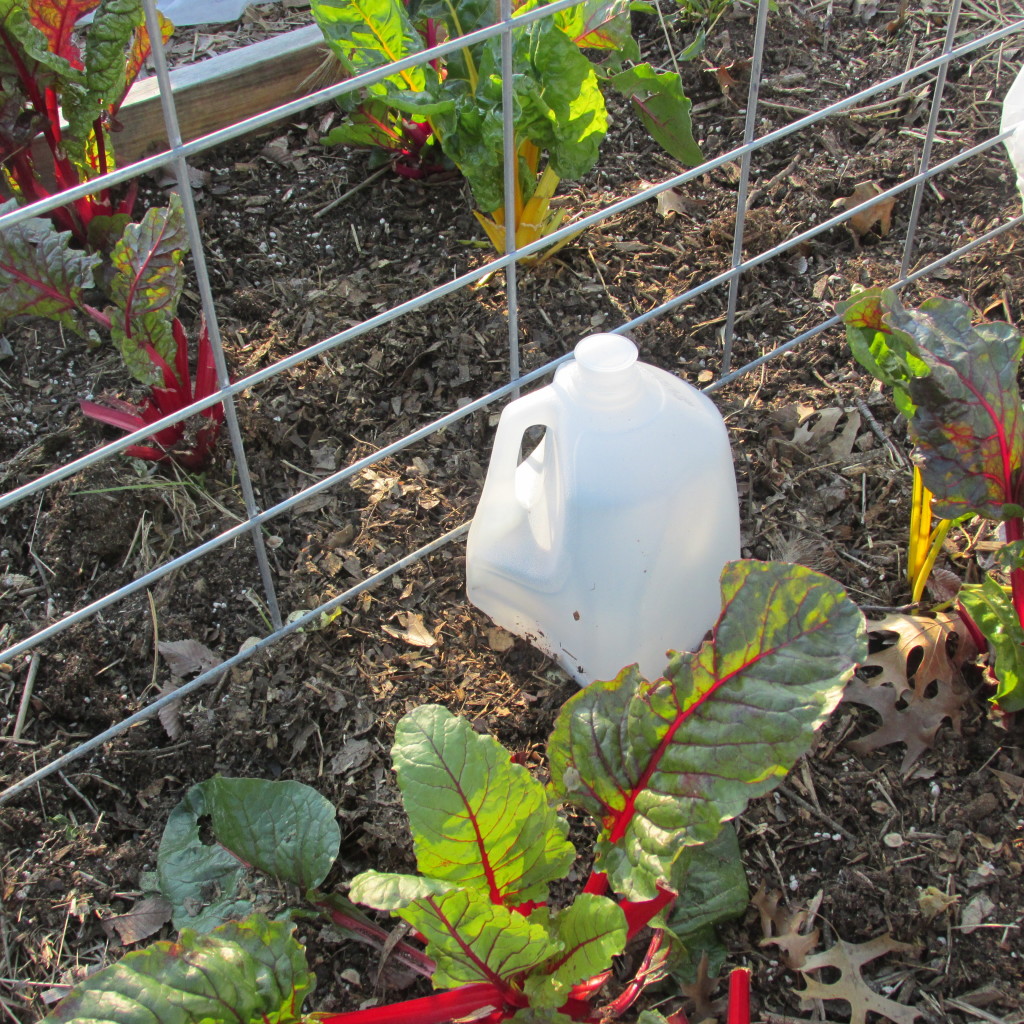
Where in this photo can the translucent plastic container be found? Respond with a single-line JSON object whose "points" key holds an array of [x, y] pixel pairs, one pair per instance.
{"points": [[604, 547], [1013, 117]]}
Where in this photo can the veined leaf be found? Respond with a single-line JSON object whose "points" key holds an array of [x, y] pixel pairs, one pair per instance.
{"points": [[242, 971], [659, 101], [887, 354], [367, 34], [591, 931], [284, 829], [40, 274], [43, 33], [473, 940], [477, 820], [992, 611], [969, 424], [147, 286], [56, 20], [662, 764], [597, 24]]}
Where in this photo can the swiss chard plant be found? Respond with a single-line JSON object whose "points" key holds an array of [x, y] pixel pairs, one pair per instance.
{"points": [[453, 106], [59, 103], [661, 766], [42, 274], [957, 384]]}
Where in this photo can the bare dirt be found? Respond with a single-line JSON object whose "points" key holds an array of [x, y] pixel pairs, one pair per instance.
{"points": [[855, 841]]}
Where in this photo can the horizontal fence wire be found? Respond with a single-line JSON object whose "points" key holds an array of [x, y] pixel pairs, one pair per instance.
{"points": [[176, 157]]}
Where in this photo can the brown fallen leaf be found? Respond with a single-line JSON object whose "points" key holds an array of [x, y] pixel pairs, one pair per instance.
{"points": [[144, 919], [879, 213], [782, 926], [412, 630], [920, 683], [849, 958], [188, 657], [671, 202]]}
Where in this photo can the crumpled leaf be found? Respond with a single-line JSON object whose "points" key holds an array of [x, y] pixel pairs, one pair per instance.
{"points": [[146, 288], [784, 926], [41, 274], [458, 788], [849, 958], [188, 657], [878, 214], [146, 918], [242, 971], [920, 684], [663, 764], [412, 630], [284, 829]]}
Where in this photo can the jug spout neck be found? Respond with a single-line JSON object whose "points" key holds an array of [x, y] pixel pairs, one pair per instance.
{"points": [[607, 370]]}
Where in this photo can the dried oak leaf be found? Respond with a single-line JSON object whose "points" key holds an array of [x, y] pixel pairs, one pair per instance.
{"points": [[184, 658], [848, 958], [920, 683], [781, 926]]}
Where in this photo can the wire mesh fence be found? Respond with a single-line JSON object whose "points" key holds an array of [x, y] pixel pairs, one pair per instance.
{"points": [[960, 49]]}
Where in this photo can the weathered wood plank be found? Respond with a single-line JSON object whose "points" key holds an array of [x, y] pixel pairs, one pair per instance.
{"points": [[217, 92]]}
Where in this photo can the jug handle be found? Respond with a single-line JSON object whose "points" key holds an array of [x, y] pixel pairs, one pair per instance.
{"points": [[536, 409]]}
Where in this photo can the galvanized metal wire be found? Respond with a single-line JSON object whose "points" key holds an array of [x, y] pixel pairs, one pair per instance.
{"points": [[176, 158]]}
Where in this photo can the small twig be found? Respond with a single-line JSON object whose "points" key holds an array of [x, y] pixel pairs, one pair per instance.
{"points": [[156, 640], [81, 796], [773, 181], [351, 192], [26, 696], [876, 429], [811, 809], [976, 1011]]}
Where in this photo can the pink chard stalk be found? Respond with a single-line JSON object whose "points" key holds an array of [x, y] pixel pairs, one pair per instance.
{"points": [[660, 765]]}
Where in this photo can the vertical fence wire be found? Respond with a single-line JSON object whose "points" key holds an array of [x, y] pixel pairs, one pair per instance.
{"points": [[212, 324], [749, 127], [929, 138], [510, 168]]}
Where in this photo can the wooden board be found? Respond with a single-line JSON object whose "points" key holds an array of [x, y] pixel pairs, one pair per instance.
{"points": [[213, 94]]}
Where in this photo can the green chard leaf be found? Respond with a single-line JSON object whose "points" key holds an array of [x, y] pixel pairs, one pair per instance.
{"points": [[242, 971], [367, 34], [591, 930], [969, 424], [108, 44], [889, 355], [473, 940], [712, 887], [45, 40], [992, 611], [597, 24], [658, 100], [284, 829], [146, 288], [478, 821], [663, 764], [388, 891], [41, 274]]}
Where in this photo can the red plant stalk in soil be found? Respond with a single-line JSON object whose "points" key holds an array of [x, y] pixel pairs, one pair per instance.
{"points": [[177, 392]]}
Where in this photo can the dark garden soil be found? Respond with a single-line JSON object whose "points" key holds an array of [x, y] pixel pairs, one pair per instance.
{"points": [[863, 843]]}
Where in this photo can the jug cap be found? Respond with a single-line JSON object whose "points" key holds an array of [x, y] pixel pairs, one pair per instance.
{"points": [[605, 353]]}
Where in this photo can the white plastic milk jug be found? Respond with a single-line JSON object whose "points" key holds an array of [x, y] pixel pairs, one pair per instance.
{"points": [[1013, 117], [604, 547]]}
